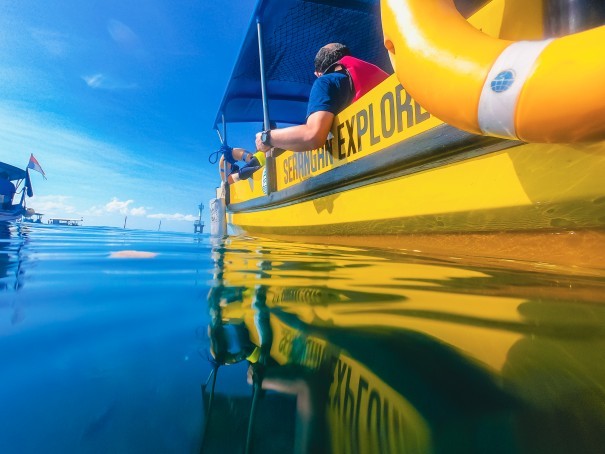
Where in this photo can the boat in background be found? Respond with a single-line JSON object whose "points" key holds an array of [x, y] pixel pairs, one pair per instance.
{"points": [[36, 218], [64, 221], [392, 168], [10, 211]]}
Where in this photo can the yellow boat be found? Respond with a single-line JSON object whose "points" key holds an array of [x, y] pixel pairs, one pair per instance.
{"points": [[429, 150]]}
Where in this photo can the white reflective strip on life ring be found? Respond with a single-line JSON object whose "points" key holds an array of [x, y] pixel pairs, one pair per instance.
{"points": [[498, 101]]}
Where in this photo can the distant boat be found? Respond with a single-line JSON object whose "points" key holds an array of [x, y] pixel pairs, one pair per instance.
{"points": [[35, 218], [20, 182], [63, 221]]}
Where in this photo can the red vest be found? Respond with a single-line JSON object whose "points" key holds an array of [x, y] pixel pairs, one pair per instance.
{"points": [[365, 75]]}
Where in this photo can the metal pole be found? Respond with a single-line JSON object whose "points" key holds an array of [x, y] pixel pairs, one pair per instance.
{"points": [[224, 138], [263, 83], [563, 17], [270, 163]]}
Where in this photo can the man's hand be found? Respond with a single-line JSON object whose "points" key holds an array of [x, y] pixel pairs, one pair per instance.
{"points": [[308, 136], [260, 145]]}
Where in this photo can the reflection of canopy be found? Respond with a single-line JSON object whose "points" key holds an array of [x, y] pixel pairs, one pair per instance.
{"points": [[293, 31], [14, 173]]}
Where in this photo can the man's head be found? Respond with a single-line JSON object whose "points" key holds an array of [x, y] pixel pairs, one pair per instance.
{"points": [[328, 55]]}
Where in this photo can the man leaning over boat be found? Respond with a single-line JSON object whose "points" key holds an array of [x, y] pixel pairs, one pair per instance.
{"points": [[341, 80]]}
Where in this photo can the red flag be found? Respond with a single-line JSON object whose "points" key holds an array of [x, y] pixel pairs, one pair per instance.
{"points": [[35, 165]]}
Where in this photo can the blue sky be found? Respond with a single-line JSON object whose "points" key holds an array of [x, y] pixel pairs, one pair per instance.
{"points": [[116, 99]]}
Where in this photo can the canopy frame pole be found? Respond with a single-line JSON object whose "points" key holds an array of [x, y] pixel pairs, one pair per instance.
{"points": [[270, 164], [223, 139], [263, 82]]}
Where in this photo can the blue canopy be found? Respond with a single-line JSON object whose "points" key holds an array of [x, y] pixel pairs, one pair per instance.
{"points": [[293, 31], [14, 173]]}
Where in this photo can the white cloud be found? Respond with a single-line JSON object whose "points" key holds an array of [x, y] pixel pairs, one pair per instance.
{"points": [[140, 211], [173, 217], [105, 82], [94, 81], [122, 207], [117, 206]]}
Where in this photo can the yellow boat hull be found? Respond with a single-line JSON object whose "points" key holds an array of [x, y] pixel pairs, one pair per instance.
{"points": [[527, 187]]}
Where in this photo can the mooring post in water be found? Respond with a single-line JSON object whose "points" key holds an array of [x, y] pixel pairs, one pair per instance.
{"points": [[198, 225], [218, 215]]}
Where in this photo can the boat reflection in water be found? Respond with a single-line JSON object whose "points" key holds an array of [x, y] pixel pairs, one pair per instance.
{"points": [[13, 239], [359, 350]]}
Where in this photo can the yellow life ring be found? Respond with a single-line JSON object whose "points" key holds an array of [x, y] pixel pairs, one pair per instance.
{"points": [[536, 91]]}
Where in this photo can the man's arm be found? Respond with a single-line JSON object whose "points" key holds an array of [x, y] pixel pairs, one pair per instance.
{"points": [[309, 136]]}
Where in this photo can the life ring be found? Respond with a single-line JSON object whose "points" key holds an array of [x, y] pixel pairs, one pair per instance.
{"points": [[536, 91]]}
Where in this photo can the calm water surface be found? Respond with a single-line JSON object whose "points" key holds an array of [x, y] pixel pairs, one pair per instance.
{"points": [[129, 341]]}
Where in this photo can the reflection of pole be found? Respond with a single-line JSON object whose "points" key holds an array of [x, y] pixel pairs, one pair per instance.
{"points": [[257, 383], [214, 309], [265, 335], [212, 376]]}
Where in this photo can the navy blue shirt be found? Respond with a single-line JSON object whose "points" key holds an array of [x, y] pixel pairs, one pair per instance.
{"points": [[330, 93]]}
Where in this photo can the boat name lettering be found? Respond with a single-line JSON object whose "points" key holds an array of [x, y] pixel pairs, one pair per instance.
{"points": [[365, 412], [295, 294], [304, 163], [298, 349], [395, 112], [389, 115], [362, 409]]}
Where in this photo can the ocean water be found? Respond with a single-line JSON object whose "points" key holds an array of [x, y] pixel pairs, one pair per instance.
{"points": [[100, 353], [129, 341]]}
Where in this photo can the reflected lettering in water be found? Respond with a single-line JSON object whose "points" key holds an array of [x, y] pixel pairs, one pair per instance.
{"points": [[354, 350]]}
